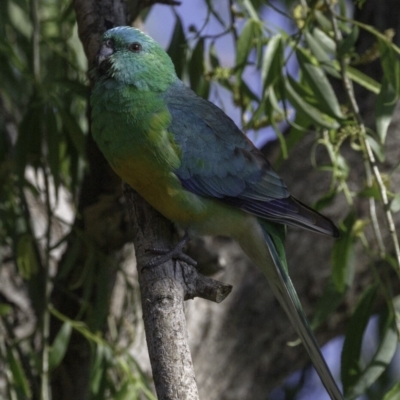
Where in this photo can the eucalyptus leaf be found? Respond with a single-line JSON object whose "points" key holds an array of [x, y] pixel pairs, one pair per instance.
{"points": [[320, 85], [380, 361], [390, 64], [362, 79], [251, 30], [196, 70], [97, 369], [213, 56], [321, 54], [350, 361], [393, 393], [176, 49], [18, 372], [26, 256], [347, 44], [301, 106], [60, 345], [377, 148], [385, 106], [272, 61], [324, 41], [343, 255]]}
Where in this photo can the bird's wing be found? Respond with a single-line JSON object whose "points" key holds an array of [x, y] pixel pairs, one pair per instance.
{"points": [[219, 161]]}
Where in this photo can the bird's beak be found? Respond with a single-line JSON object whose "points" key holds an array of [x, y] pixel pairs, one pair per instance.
{"points": [[106, 50]]}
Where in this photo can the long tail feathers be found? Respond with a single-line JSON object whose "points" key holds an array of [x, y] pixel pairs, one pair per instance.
{"points": [[284, 291]]}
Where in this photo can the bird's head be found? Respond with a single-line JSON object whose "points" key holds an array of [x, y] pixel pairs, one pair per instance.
{"points": [[131, 57]]}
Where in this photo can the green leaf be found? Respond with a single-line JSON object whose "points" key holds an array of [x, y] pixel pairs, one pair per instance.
{"points": [[361, 381], [347, 44], [377, 148], [97, 370], [324, 41], [18, 374], [247, 93], [251, 10], [319, 51], [390, 64], [323, 21], [251, 30], [196, 70], [213, 56], [393, 393], [301, 106], [322, 89], [272, 63], [26, 256], [60, 345], [196, 64], [385, 105], [298, 128], [128, 391], [350, 367], [362, 79], [177, 47], [343, 255], [380, 361]]}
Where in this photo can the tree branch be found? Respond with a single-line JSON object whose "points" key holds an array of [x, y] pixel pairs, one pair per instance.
{"points": [[163, 290]]}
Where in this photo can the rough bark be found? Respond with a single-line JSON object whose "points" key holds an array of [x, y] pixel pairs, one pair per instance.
{"points": [[163, 291]]}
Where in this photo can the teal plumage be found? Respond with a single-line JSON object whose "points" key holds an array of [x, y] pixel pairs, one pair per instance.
{"points": [[189, 160]]}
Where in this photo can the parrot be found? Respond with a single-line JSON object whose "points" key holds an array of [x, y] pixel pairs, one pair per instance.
{"points": [[191, 162]]}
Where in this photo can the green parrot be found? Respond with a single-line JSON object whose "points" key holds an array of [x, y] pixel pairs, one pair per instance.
{"points": [[190, 161]]}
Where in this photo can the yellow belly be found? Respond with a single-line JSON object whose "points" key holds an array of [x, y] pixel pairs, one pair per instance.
{"points": [[198, 215], [162, 189]]}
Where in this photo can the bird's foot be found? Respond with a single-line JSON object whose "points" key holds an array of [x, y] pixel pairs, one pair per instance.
{"points": [[175, 254]]}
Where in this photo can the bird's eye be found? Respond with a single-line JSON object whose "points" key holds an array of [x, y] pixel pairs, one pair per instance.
{"points": [[135, 47], [109, 43]]}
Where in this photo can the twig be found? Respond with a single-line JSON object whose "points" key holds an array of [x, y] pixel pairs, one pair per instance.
{"points": [[44, 392], [371, 162], [235, 35], [35, 40], [163, 290]]}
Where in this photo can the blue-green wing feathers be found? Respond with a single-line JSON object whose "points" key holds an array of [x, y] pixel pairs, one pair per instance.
{"points": [[218, 161]]}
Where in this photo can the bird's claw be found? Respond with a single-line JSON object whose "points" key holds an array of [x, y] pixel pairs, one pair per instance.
{"points": [[165, 255]]}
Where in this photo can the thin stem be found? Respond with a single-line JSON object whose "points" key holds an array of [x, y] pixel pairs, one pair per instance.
{"points": [[35, 40], [44, 392], [370, 158], [236, 38], [372, 211]]}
